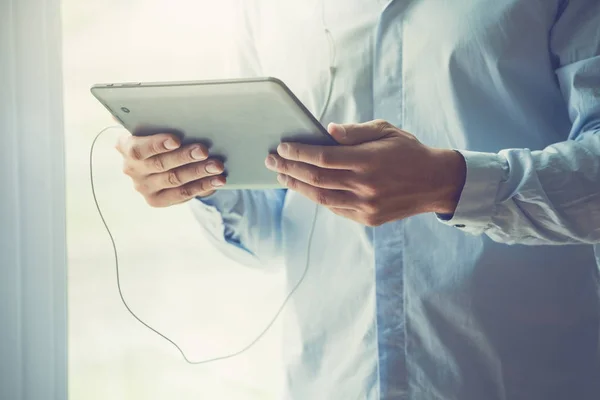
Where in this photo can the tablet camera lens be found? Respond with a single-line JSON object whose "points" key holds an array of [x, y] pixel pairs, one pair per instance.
{"points": [[125, 110]]}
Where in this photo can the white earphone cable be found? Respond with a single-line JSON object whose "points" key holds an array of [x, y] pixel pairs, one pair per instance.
{"points": [[332, 71]]}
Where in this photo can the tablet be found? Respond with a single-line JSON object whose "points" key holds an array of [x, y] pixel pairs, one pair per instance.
{"points": [[241, 121]]}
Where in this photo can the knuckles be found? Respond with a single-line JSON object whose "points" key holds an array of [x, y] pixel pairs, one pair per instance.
{"points": [[135, 165], [140, 187], [323, 158], [382, 125], [157, 164], [283, 166], [128, 169], [315, 178], [185, 192], [322, 198], [134, 152], [290, 182], [370, 206], [173, 178], [369, 190], [155, 147]]}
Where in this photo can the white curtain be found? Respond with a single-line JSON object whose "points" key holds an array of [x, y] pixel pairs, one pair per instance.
{"points": [[33, 359]]}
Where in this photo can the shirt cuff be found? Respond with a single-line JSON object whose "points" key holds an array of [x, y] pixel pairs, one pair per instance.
{"points": [[209, 216], [477, 202], [209, 211], [223, 199]]}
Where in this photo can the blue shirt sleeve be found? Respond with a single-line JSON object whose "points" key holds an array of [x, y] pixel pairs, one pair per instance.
{"points": [[550, 196], [244, 224]]}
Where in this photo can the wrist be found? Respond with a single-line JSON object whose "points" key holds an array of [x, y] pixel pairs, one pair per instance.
{"points": [[450, 172]]}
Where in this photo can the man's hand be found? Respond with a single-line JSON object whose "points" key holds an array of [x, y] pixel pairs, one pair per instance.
{"points": [[379, 174], [166, 173]]}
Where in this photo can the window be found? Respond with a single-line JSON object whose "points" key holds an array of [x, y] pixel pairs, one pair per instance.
{"points": [[32, 212], [171, 276]]}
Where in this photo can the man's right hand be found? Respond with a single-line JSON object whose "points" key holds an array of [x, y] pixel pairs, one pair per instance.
{"points": [[165, 172]]}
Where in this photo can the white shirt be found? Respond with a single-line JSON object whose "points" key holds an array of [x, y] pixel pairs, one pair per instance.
{"points": [[485, 305]]}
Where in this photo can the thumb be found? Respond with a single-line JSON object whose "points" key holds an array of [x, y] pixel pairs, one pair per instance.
{"points": [[354, 134]]}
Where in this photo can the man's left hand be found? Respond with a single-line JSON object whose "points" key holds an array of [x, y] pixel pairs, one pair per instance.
{"points": [[378, 174]]}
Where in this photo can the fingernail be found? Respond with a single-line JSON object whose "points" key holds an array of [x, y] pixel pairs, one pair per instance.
{"points": [[216, 183], [170, 144], [213, 168], [282, 178], [271, 162], [283, 149], [198, 154]]}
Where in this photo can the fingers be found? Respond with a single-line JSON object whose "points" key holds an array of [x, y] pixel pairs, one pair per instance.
{"points": [[310, 174], [181, 184], [185, 174], [138, 162], [339, 157], [355, 134], [166, 173], [138, 148], [181, 194], [330, 157], [324, 197], [173, 159]]}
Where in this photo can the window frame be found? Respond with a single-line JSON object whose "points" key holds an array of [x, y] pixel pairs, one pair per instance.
{"points": [[33, 257]]}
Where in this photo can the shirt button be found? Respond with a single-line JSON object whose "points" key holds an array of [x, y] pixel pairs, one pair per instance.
{"points": [[460, 226]]}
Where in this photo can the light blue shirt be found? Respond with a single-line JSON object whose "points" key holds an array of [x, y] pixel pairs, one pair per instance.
{"points": [[500, 300]]}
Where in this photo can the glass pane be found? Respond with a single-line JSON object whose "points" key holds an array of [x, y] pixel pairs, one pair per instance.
{"points": [[171, 276]]}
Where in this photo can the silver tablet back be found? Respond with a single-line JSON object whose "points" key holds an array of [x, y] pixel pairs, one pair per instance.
{"points": [[241, 121]]}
